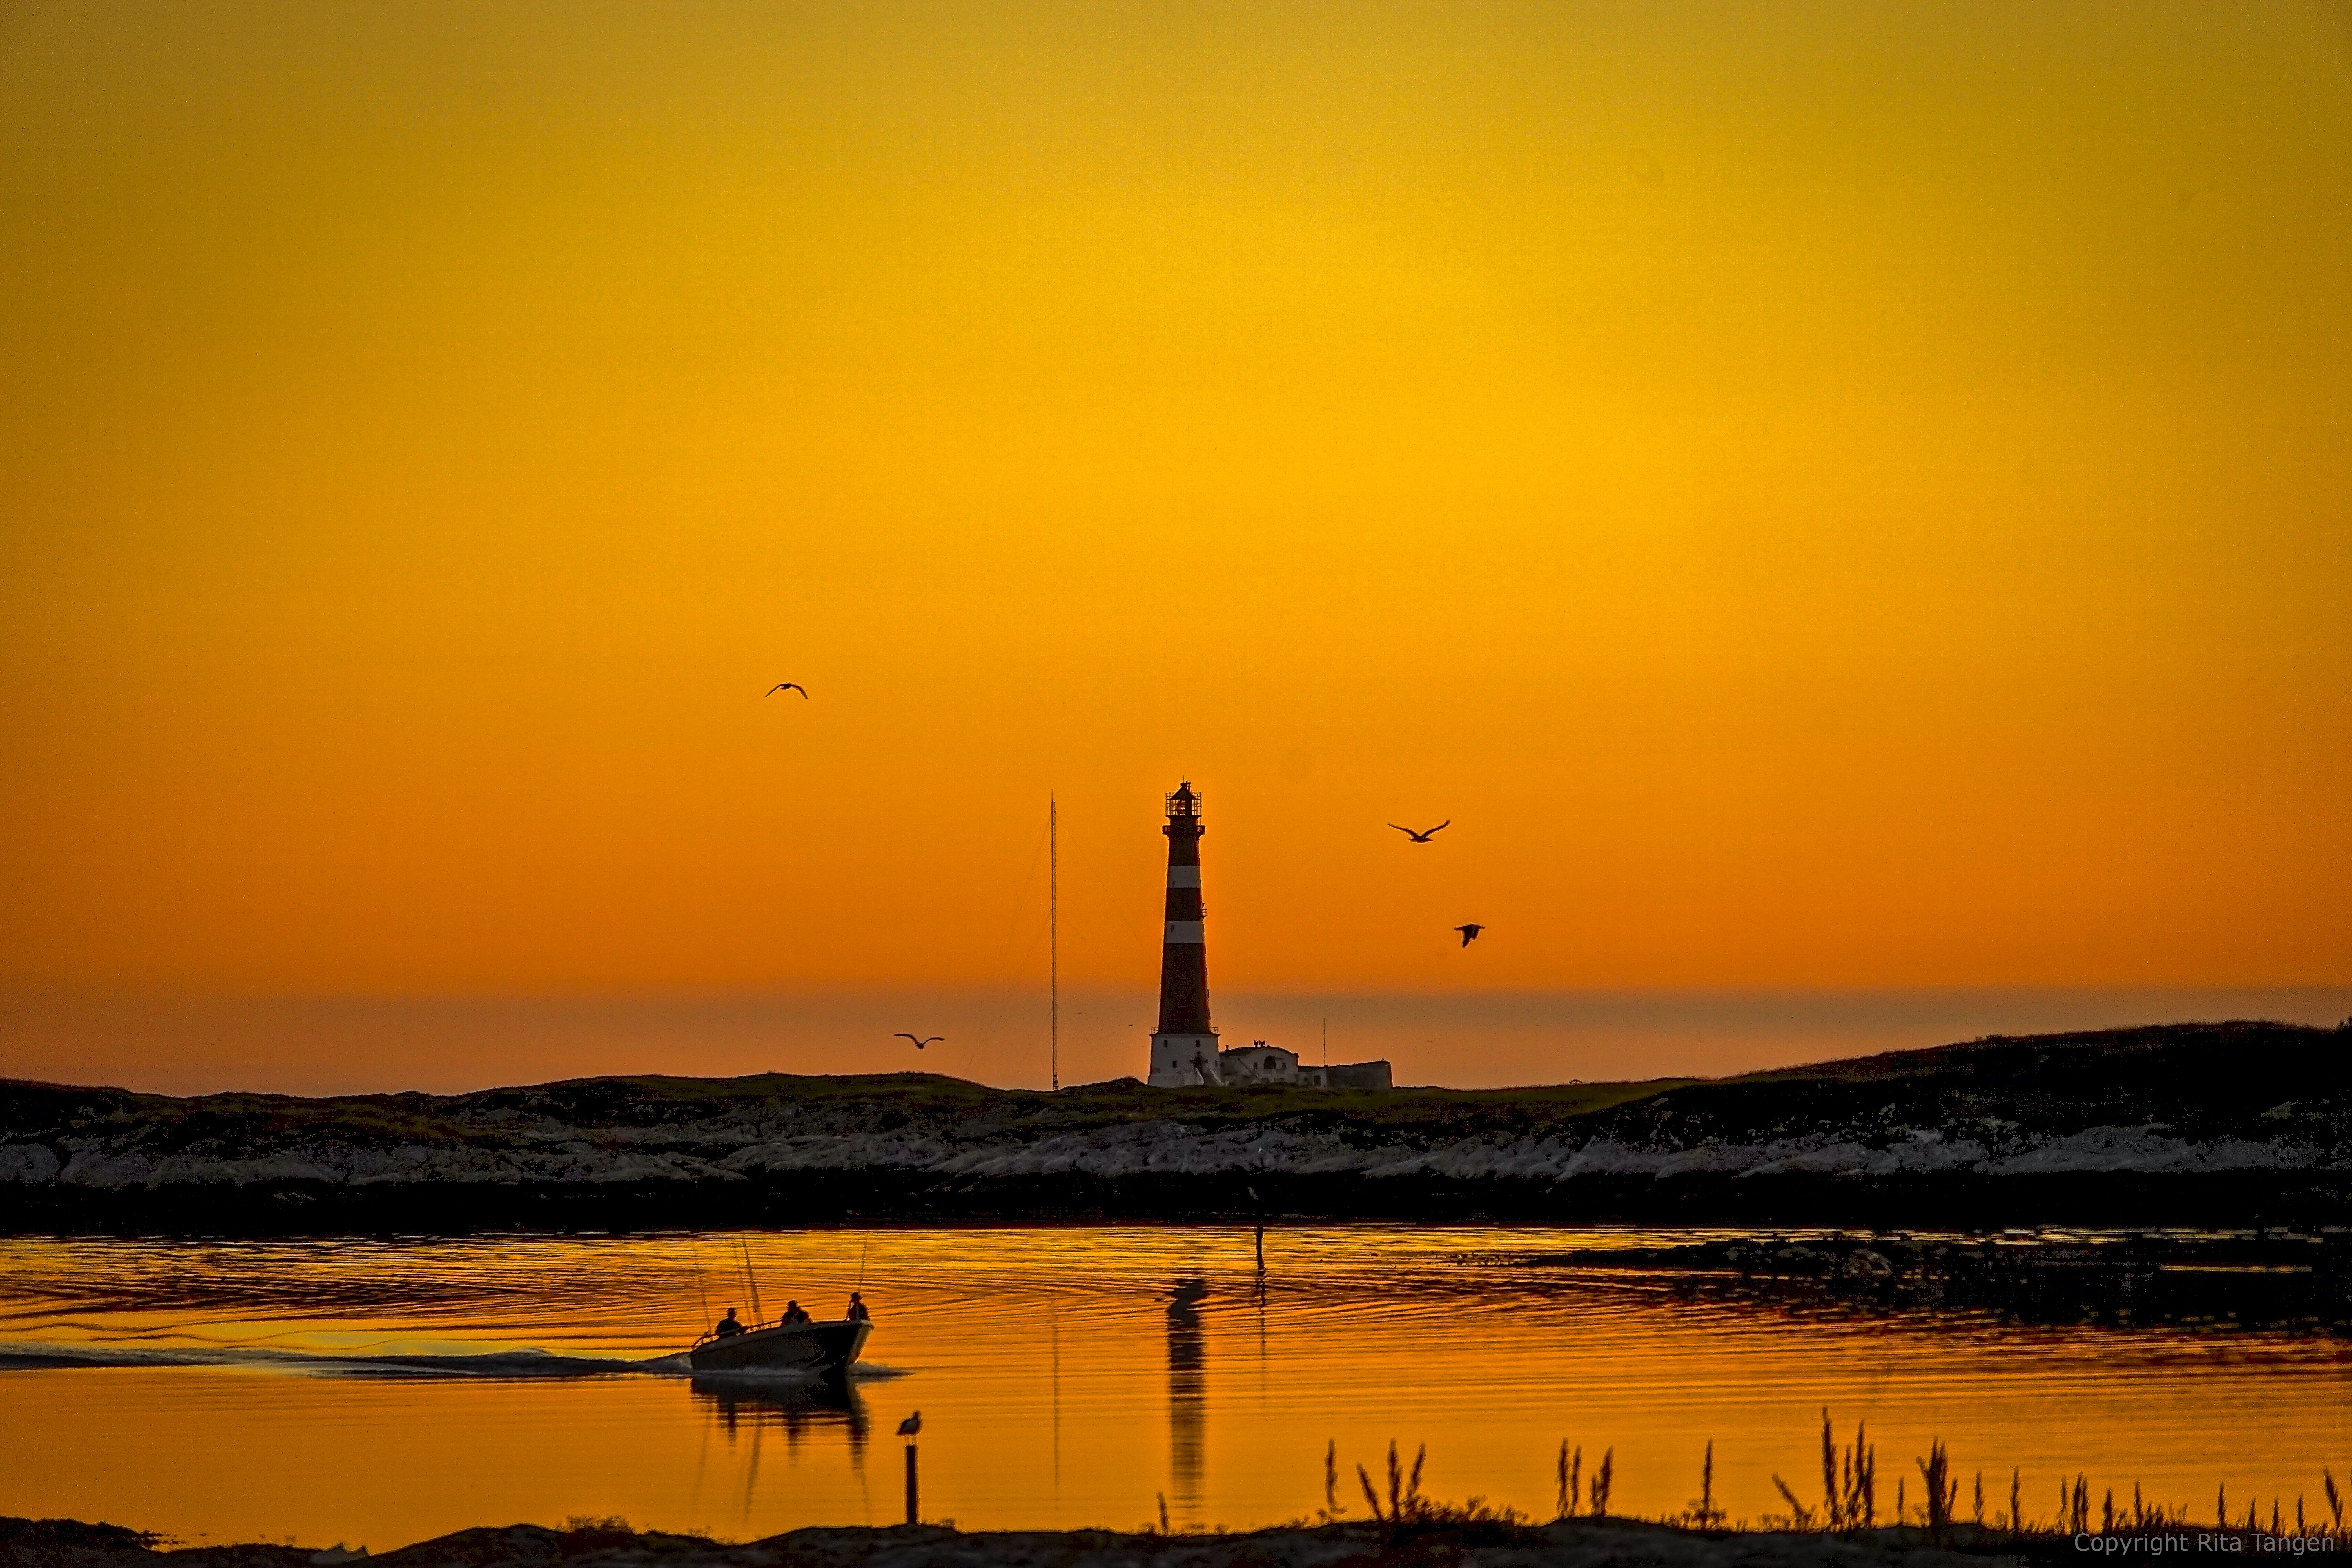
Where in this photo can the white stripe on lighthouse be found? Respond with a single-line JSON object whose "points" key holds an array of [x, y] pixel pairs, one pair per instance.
{"points": [[1186, 931], [1184, 877]]}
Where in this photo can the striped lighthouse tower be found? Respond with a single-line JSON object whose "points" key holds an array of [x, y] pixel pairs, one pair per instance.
{"points": [[1184, 1048]]}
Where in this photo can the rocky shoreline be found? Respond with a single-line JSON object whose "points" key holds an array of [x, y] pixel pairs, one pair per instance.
{"points": [[2238, 1123], [2225, 1280]]}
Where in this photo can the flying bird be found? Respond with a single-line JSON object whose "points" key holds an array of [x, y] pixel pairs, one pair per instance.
{"points": [[926, 1040], [788, 686], [1469, 932], [911, 1424], [1420, 837]]}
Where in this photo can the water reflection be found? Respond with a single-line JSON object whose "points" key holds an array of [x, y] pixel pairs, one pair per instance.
{"points": [[534, 1376], [759, 1406], [734, 1404], [1188, 1396]]}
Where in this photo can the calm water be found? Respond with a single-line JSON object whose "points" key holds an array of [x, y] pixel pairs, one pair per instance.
{"points": [[381, 1392]]}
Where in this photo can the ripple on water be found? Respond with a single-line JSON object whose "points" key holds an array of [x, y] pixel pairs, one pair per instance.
{"points": [[1066, 1377]]}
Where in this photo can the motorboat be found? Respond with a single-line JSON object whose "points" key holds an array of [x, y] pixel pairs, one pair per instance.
{"points": [[825, 1349]]}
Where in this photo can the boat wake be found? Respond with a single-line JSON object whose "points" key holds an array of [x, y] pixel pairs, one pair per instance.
{"points": [[511, 1363], [37, 1355]]}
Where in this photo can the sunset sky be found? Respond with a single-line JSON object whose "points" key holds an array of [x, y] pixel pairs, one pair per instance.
{"points": [[1825, 497]]}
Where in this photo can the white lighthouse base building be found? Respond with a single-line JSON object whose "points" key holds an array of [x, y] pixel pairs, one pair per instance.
{"points": [[1191, 1061], [1185, 1061]]}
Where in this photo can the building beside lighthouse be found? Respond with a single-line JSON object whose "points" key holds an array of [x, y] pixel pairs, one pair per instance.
{"points": [[1184, 1048]]}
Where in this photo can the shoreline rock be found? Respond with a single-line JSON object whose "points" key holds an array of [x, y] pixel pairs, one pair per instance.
{"points": [[2082, 1129]]}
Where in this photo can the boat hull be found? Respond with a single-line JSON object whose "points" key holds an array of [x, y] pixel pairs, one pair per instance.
{"points": [[826, 1349]]}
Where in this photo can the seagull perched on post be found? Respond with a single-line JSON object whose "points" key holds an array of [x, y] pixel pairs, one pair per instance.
{"points": [[911, 1424], [1469, 932], [788, 686], [926, 1040], [1420, 837]]}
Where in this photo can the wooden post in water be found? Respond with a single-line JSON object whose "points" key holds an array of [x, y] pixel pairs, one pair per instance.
{"points": [[914, 1490]]}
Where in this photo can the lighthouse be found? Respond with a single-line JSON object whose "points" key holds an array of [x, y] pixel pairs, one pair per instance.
{"points": [[1183, 1047]]}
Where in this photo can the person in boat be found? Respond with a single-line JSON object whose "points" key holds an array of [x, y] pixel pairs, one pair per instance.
{"points": [[857, 1312], [795, 1313], [727, 1327]]}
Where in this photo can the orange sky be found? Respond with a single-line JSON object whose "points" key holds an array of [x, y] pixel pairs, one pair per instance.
{"points": [[1822, 495]]}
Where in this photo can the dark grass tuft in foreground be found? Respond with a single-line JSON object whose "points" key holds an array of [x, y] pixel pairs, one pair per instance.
{"points": [[1847, 1516]]}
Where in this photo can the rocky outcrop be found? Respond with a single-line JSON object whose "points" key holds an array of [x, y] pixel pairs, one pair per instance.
{"points": [[2195, 1101], [1174, 1149]]}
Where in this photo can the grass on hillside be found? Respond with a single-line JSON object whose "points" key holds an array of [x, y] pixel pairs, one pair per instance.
{"points": [[899, 1097]]}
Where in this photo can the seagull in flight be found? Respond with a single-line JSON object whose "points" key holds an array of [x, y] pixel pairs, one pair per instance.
{"points": [[1424, 836], [788, 686], [911, 1424], [926, 1040], [1469, 932]]}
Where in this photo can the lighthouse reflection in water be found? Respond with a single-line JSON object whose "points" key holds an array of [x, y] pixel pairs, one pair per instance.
{"points": [[1187, 1396]]}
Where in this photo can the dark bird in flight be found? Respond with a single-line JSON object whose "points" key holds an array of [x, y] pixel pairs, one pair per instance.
{"points": [[788, 686], [926, 1040], [1422, 838], [1469, 932], [911, 1424]]}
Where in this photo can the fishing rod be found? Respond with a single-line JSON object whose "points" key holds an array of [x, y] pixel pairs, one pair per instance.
{"points": [[758, 1313]]}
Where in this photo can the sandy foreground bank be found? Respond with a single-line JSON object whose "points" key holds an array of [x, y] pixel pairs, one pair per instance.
{"points": [[1568, 1543]]}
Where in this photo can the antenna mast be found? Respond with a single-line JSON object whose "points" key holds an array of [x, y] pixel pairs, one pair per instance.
{"points": [[1053, 939]]}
